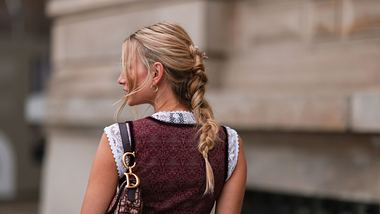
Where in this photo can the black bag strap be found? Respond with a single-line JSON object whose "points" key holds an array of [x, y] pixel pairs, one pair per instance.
{"points": [[225, 153], [128, 146], [124, 132], [127, 140]]}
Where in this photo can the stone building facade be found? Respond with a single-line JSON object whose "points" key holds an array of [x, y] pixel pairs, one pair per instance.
{"points": [[299, 79], [24, 50]]}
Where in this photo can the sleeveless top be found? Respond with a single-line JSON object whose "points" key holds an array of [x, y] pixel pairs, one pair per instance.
{"points": [[170, 167]]}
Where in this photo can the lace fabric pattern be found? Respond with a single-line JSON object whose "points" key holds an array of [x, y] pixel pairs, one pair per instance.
{"points": [[179, 117], [114, 140], [233, 150]]}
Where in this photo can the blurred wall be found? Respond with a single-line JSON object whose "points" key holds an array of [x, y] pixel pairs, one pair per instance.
{"points": [[307, 75], [299, 79], [24, 42]]}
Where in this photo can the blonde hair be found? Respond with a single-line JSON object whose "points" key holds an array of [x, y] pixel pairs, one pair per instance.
{"points": [[185, 71]]}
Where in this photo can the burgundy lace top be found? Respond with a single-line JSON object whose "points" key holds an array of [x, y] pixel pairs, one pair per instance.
{"points": [[171, 169]]}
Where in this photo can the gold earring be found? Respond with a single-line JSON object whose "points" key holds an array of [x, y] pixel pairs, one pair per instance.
{"points": [[155, 88]]}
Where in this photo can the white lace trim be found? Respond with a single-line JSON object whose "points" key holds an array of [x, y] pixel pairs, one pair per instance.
{"points": [[185, 117], [233, 150], [114, 140], [181, 117]]}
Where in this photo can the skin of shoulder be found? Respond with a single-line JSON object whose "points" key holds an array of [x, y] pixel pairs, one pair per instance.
{"points": [[102, 181], [231, 199]]}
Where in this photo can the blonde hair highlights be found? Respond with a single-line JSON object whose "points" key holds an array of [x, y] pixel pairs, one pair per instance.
{"points": [[185, 71]]}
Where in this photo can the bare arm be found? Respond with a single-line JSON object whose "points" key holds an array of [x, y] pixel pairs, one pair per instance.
{"points": [[102, 182], [231, 199]]}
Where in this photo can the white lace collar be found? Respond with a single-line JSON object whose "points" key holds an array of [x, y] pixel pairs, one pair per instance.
{"points": [[181, 117]]}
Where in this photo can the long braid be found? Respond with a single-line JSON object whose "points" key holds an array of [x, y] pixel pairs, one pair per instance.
{"points": [[208, 132]]}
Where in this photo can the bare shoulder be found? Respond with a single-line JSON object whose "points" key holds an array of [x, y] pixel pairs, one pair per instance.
{"points": [[232, 196], [102, 181]]}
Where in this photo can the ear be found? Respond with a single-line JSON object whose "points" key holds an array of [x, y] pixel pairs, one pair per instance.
{"points": [[157, 72]]}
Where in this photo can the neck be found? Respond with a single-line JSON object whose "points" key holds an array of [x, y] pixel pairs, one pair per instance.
{"points": [[175, 107], [165, 100]]}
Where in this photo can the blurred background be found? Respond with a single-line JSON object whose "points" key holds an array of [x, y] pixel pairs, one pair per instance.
{"points": [[298, 79]]}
